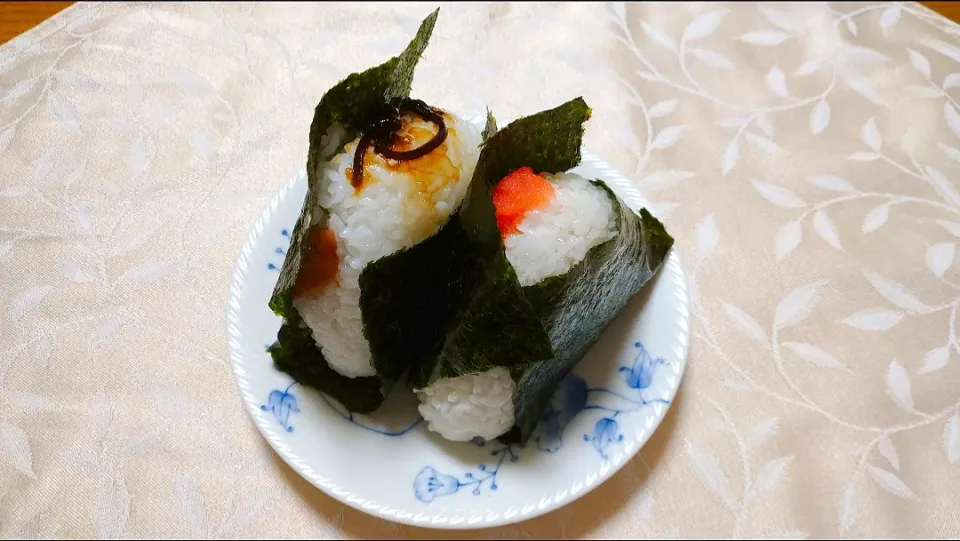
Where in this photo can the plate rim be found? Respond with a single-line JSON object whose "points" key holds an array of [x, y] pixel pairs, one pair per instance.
{"points": [[478, 517]]}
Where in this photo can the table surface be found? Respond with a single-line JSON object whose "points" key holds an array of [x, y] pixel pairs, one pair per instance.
{"points": [[18, 17], [805, 156]]}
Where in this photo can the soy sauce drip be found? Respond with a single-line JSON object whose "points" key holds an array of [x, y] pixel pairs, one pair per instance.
{"points": [[380, 130]]}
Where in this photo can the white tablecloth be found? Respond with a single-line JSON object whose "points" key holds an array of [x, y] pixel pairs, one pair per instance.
{"points": [[806, 157]]}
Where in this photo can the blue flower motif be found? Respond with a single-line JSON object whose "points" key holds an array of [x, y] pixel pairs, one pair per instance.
{"points": [[604, 433], [640, 375], [569, 399], [429, 485], [278, 250], [282, 404]]}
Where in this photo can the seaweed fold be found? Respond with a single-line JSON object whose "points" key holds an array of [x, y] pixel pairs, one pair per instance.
{"points": [[577, 306], [475, 316], [572, 309], [338, 114]]}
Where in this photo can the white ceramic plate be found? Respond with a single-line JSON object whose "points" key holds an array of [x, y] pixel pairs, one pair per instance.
{"points": [[391, 466]]}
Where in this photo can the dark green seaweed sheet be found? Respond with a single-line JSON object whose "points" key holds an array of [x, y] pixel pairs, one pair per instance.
{"points": [[346, 104], [474, 316], [296, 353], [576, 307]]}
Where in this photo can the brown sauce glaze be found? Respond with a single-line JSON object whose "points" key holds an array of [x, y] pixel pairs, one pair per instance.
{"points": [[319, 265], [379, 131]]}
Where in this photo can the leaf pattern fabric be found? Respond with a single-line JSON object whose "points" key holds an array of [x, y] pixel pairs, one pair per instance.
{"points": [[806, 156]]}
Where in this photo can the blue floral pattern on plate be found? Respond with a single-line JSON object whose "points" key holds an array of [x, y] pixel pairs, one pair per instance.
{"points": [[572, 398], [279, 251], [430, 484], [281, 404]]}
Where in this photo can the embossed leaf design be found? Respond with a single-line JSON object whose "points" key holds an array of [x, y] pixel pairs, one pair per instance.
{"points": [[191, 505], [15, 448], [935, 359], [952, 227], [889, 17], [763, 143], [870, 135], [6, 136], [919, 62], [113, 507], [796, 305], [895, 292], [819, 117], [707, 235], [874, 319], [940, 257], [667, 137], [765, 37], [863, 87], [782, 19], [657, 36], [943, 48], [891, 483], [943, 186], [814, 355], [203, 146], [808, 67], [898, 386], [762, 432], [101, 416], [711, 58], [245, 513], [107, 330], [730, 156], [826, 229], [888, 451], [704, 25], [778, 195], [951, 439], [848, 507], [76, 174], [664, 179], [952, 153], [76, 272], [24, 401], [662, 108], [788, 238], [147, 272], [745, 323], [769, 476], [851, 26], [953, 118], [709, 472], [65, 112], [776, 81], [27, 301], [832, 183], [876, 218], [21, 89]]}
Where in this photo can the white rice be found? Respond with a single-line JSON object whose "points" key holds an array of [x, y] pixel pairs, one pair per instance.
{"points": [[466, 407], [550, 242], [398, 206], [555, 238]]}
